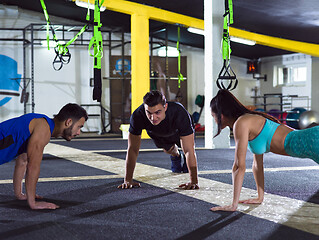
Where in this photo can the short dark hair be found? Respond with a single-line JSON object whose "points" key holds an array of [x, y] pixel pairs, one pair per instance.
{"points": [[153, 98], [73, 111]]}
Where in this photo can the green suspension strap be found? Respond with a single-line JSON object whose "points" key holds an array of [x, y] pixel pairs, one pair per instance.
{"points": [[179, 96], [63, 55], [97, 43], [227, 74], [48, 24]]}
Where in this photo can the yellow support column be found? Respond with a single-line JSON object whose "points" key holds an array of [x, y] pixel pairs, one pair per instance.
{"points": [[140, 84]]}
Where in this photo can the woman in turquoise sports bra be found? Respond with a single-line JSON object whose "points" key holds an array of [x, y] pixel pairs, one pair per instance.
{"points": [[260, 133]]}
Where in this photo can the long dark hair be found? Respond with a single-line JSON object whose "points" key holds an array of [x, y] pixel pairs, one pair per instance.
{"points": [[227, 104]]}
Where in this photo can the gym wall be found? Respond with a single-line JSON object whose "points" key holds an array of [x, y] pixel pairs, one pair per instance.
{"points": [[53, 89]]}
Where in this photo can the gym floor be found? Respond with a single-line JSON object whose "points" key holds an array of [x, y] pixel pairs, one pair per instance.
{"points": [[82, 176]]}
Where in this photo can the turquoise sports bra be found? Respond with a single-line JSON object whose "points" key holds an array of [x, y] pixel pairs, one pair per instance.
{"points": [[261, 143]]}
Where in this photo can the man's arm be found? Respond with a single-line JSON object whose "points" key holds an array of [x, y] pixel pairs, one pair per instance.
{"points": [[18, 175], [40, 137], [134, 143], [188, 146]]}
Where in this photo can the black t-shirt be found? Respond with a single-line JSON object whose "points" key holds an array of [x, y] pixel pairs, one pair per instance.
{"points": [[177, 122]]}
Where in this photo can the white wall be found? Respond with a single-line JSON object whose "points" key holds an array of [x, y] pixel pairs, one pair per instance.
{"points": [[267, 67], [13, 108], [315, 84], [53, 89], [246, 82], [195, 78]]}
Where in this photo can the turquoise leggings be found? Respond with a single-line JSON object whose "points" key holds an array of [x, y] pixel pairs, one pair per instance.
{"points": [[303, 143]]}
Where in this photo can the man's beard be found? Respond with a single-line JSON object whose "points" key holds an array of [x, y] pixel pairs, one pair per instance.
{"points": [[67, 133]]}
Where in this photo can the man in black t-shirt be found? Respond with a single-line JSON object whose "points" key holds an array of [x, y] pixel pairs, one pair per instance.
{"points": [[170, 126]]}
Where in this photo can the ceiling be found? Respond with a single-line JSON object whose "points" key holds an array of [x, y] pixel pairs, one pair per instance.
{"points": [[293, 19]]}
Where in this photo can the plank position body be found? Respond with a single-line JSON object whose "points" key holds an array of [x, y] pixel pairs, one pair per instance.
{"points": [[25, 137], [170, 126], [261, 133]]}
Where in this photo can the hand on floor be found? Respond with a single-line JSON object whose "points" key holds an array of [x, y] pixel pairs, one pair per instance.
{"points": [[189, 186], [251, 201], [229, 208], [127, 185]]}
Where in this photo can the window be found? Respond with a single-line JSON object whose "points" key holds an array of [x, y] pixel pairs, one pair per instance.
{"points": [[299, 74], [285, 76]]}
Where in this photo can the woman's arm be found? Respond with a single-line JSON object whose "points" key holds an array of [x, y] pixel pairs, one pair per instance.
{"points": [[258, 170], [241, 134]]}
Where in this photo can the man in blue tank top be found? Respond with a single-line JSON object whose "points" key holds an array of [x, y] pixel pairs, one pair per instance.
{"points": [[170, 126], [25, 137]]}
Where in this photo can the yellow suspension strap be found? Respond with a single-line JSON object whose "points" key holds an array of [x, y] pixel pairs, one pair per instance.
{"points": [[63, 55], [179, 96], [226, 74], [97, 44]]}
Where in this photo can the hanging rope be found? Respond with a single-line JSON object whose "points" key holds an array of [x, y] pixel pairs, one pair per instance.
{"points": [[226, 74], [97, 44], [179, 96], [63, 55]]}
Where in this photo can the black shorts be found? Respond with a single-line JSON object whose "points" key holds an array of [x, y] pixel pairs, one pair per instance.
{"points": [[167, 143]]}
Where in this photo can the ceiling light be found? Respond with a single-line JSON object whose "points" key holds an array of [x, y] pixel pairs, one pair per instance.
{"points": [[196, 30], [171, 51], [85, 5], [242, 41]]}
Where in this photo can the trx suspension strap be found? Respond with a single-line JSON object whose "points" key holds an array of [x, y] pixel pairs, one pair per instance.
{"points": [[96, 42], [227, 74], [63, 56], [179, 96]]}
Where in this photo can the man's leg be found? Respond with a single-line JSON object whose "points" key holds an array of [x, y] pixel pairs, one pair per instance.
{"points": [[177, 157], [173, 151], [171, 148], [18, 175]]}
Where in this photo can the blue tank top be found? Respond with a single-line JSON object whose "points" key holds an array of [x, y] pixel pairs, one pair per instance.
{"points": [[15, 134], [261, 143]]}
